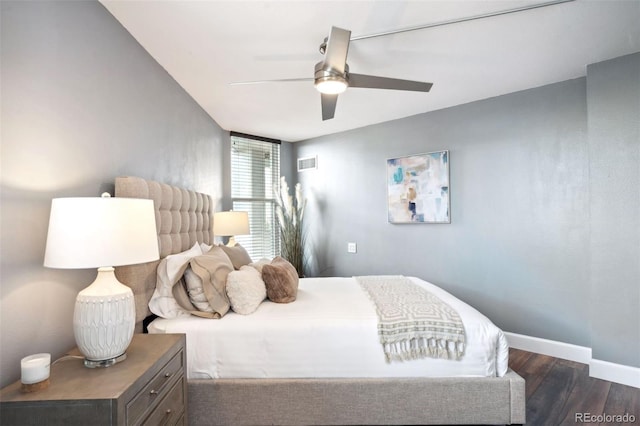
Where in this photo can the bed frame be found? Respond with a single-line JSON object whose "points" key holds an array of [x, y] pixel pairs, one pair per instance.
{"points": [[184, 217]]}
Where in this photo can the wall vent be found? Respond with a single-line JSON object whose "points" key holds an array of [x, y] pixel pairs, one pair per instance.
{"points": [[307, 163]]}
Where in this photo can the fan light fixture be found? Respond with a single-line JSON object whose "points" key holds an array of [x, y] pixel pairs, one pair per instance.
{"points": [[331, 86]]}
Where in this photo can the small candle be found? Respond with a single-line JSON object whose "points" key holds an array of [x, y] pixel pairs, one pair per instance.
{"points": [[35, 368]]}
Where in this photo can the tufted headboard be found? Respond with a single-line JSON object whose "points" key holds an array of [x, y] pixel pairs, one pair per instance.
{"points": [[182, 218]]}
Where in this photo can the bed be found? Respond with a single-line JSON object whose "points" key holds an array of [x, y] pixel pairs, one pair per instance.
{"points": [[323, 377]]}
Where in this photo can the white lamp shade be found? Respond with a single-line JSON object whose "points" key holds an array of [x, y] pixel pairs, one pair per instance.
{"points": [[230, 223], [92, 232]]}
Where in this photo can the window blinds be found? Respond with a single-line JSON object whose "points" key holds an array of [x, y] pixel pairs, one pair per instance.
{"points": [[255, 172]]}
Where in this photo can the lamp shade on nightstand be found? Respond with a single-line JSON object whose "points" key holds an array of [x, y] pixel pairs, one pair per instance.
{"points": [[229, 224], [102, 232]]}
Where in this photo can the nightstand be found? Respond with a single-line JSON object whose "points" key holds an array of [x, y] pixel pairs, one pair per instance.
{"points": [[149, 387]]}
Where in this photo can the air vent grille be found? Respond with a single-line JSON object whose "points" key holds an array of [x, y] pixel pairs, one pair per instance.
{"points": [[307, 163]]}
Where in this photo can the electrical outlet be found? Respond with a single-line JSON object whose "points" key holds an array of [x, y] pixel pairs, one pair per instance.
{"points": [[352, 248]]}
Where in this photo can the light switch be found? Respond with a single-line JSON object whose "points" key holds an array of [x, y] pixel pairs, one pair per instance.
{"points": [[352, 248]]}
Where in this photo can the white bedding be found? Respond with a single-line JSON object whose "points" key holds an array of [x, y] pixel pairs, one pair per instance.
{"points": [[330, 331]]}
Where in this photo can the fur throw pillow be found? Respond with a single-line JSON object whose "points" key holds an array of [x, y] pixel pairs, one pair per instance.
{"points": [[281, 279], [246, 290]]}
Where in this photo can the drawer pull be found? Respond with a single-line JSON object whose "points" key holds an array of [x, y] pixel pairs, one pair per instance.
{"points": [[153, 392], [167, 375], [168, 412]]}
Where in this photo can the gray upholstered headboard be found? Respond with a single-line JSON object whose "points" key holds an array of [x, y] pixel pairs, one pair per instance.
{"points": [[182, 218]]}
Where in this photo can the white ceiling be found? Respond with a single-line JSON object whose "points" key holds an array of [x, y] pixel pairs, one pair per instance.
{"points": [[205, 45]]}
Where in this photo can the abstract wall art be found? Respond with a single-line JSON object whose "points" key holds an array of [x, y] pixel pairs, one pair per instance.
{"points": [[418, 188]]}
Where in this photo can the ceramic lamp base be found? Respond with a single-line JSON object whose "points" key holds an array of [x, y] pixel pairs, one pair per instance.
{"points": [[104, 319]]}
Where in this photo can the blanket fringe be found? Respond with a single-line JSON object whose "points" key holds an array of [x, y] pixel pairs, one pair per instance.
{"points": [[419, 347]]}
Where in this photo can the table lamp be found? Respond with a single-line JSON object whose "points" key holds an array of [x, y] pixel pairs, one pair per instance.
{"points": [[229, 224], [102, 232]]}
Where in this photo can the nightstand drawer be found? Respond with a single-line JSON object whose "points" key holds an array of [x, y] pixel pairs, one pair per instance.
{"points": [[155, 390], [171, 409]]}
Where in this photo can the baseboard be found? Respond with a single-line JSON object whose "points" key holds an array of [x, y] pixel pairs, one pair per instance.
{"points": [[617, 373], [552, 348]]}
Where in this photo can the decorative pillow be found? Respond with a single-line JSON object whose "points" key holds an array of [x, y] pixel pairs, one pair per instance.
{"points": [[238, 255], [170, 271], [281, 280], [246, 290], [210, 273], [195, 291], [260, 263]]}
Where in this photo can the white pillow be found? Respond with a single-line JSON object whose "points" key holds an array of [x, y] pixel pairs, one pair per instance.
{"points": [[260, 263], [170, 270], [245, 290], [196, 292], [205, 247]]}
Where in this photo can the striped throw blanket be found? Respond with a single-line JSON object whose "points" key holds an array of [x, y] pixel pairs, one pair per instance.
{"points": [[412, 322]]}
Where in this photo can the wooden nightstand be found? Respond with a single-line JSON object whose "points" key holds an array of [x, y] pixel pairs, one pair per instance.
{"points": [[149, 387]]}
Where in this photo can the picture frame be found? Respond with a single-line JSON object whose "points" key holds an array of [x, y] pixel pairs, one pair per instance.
{"points": [[418, 188]]}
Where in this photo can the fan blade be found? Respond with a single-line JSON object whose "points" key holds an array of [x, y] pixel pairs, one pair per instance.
{"points": [[337, 49], [328, 105], [373, 82], [284, 80]]}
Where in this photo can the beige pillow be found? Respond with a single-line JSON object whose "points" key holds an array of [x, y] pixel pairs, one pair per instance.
{"points": [[246, 290], [238, 255], [281, 279], [210, 270]]}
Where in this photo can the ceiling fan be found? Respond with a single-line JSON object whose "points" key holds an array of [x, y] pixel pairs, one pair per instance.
{"points": [[332, 76]]}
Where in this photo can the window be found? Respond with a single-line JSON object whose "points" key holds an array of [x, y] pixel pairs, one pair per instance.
{"points": [[255, 172]]}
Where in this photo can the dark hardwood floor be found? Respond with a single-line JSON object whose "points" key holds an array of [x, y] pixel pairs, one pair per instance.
{"points": [[557, 390]]}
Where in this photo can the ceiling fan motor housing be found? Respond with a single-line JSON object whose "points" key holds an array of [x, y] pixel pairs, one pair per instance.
{"points": [[331, 81]]}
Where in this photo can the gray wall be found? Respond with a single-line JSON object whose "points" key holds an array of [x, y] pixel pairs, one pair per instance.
{"points": [[520, 241], [613, 89], [82, 103]]}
